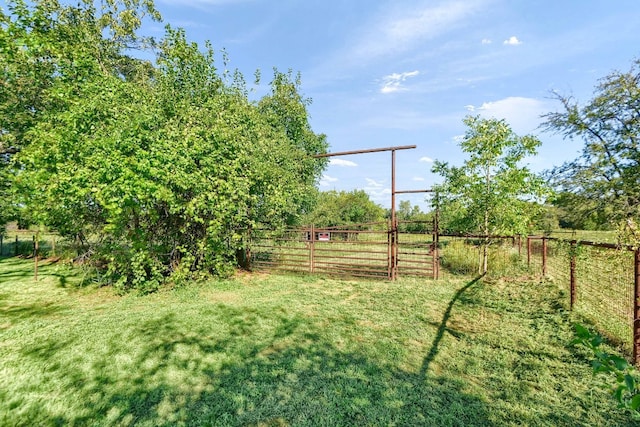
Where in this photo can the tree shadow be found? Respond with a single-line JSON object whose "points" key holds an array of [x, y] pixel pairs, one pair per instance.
{"points": [[162, 373], [442, 327]]}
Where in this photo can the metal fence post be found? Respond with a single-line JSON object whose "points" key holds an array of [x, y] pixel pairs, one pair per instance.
{"points": [[312, 249], [15, 249], [35, 258], [636, 308], [528, 251], [572, 274], [544, 256]]}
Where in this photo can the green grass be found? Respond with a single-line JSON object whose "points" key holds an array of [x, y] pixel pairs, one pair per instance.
{"points": [[292, 350], [599, 236]]}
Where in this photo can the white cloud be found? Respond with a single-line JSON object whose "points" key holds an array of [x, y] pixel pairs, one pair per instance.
{"points": [[373, 183], [418, 178], [522, 114], [426, 159], [402, 29], [512, 41], [393, 82], [326, 180], [342, 163], [486, 41]]}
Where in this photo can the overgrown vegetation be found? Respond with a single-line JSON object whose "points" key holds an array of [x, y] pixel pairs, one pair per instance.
{"points": [[154, 169], [283, 350]]}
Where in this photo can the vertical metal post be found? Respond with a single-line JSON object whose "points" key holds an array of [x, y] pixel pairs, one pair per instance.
{"points": [[394, 220], [636, 309], [544, 256], [1, 247], [528, 251], [15, 249], [436, 244], [312, 249], [389, 265], [35, 258], [572, 275], [519, 246]]}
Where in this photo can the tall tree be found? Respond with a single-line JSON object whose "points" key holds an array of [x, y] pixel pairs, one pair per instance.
{"points": [[158, 169], [491, 192], [608, 171]]}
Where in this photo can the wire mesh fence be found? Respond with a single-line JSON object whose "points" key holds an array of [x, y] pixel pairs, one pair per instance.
{"points": [[599, 280]]}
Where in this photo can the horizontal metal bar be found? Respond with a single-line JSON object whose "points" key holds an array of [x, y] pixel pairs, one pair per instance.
{"points": [[370, 150], [413, 191]]}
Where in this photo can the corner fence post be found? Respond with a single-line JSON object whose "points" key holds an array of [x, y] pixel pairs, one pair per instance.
{"points": [[636, 308], [572, 275]]}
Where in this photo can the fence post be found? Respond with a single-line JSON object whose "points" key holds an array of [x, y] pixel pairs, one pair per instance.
{"points": [[544, 256], [519, 247], [528, 251], [1, 247], [636, 308], [35, 258], [15, 249], [312, 249], [572, 274], [436, 244]]}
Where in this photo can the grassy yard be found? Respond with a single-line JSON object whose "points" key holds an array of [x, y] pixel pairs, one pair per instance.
{"points": [[284, 350]]}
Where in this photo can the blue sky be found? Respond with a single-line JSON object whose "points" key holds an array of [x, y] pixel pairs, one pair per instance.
{"points": [[384, 73]]}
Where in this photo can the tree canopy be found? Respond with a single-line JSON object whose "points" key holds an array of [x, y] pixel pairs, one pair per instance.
{"points": [[606, 175], [491, 193], [155, 168], [344, 208]]}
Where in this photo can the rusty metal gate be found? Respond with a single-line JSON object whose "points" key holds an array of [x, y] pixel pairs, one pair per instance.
{"points": [[374, 250]]}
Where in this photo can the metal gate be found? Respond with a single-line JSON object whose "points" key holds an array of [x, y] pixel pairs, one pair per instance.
{"points": [[374, 250]]}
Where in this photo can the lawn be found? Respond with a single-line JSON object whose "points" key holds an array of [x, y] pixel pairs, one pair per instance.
{"points": [[292, 350]]}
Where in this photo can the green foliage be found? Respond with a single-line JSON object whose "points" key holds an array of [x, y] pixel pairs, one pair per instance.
{"points": [[578, 212], [415, 221], [491, 192], [154, 170], [344, 208], [607, 173], [626, 388]]}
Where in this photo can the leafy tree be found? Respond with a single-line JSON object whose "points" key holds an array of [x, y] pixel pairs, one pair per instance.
{"points": [[577, 212], [412, 219], [344, 208], [607, 173], [491, 192], [157, 171], [48, 50]]}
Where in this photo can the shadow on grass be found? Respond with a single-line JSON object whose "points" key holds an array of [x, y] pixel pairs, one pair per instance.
{"points": [[442, 327], [164, 372]]}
